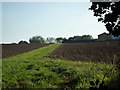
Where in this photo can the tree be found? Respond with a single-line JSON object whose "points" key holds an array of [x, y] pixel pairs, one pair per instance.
{"points": [[109, 14], [87, 37], [23, 42], [37, 39], [60, 39], [83, 37], [50, 40], [77, 37], [74, 38]]}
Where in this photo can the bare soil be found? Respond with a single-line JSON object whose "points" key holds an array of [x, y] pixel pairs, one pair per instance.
{"points": [[14, 49], [108, 52]]}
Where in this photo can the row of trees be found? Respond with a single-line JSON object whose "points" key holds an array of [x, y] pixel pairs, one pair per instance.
{"points": [[82, 38], [40, 39]]}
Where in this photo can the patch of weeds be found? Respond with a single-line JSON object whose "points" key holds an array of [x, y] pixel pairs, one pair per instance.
{"points": [[47, 76], [37, 69], [29, 67], [97, 84], [70, 78], [70, 81], [26, 84], [26, 61], [38, 74]]}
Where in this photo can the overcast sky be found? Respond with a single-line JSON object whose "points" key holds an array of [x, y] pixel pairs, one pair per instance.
{"points": [[22, 20]]}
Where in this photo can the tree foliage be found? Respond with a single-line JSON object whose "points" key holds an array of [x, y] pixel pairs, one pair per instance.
{"points": [[87, 37], [83, 37], [23, 42], [60, 39], [109, 14], [50, 40], [74, 39], [37, 39]]}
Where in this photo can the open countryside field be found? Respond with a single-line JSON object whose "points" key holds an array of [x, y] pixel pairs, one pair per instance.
{"points": [[14, 49], [34, 69], [106, 52]]}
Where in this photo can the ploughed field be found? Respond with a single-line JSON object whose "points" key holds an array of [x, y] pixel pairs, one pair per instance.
{"points": [[14, 49], [34, 69], [108, 52]]}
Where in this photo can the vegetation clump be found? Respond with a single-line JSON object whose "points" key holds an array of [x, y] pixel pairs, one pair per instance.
{"points": [[34, 70]]}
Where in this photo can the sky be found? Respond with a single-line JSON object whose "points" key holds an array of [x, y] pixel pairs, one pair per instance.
{"points": [[22, 20]]}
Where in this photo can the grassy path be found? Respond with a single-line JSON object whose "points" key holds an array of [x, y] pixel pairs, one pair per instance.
{"points": [[33, 70]]}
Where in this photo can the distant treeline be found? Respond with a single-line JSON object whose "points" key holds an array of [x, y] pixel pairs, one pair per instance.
{"points": [[40, 39], [74, 39]]}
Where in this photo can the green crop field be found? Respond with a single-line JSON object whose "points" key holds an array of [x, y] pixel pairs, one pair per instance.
{"points": [[34, 70]]}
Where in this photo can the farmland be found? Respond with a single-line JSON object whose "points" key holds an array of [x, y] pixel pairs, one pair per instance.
{"points": [[106, 52], [14, 49], [44, 68]]}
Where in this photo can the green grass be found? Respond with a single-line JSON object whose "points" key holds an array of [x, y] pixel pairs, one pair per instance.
{"points": [[33, 70]]}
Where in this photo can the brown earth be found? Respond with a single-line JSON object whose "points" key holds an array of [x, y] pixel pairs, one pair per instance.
{"points": [[14, 49], [108, 52]]}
